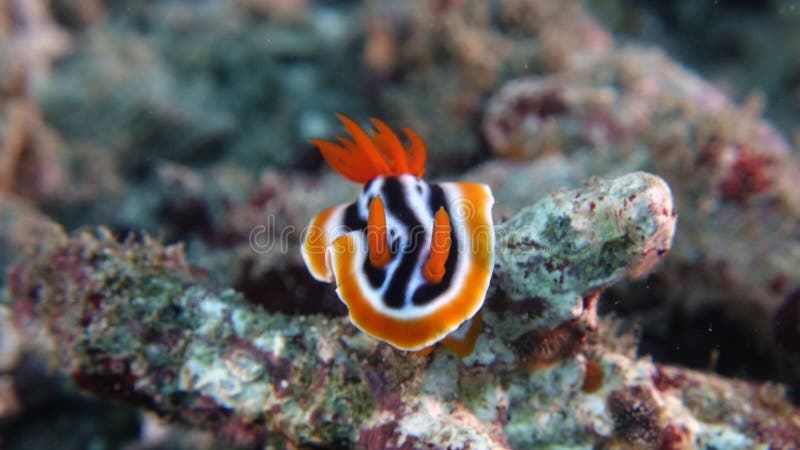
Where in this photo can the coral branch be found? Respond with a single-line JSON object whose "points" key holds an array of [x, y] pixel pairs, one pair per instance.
{"points": [[132, 320], [574, 243]]}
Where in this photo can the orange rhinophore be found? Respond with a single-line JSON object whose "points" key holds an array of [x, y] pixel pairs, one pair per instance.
{"points": [[376, 234], [434, 269], [412, 268]]}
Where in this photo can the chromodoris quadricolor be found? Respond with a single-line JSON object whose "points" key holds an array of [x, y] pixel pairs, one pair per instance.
{"points": [[411, 260]]}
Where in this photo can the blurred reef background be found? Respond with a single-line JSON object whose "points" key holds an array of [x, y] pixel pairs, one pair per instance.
{"points": [[143, 143]]}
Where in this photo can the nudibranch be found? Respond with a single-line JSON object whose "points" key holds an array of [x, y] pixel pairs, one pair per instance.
{"points": [[411, 260]]}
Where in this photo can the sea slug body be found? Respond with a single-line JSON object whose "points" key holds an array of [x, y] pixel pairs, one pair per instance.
{"points": [[411, 260]]}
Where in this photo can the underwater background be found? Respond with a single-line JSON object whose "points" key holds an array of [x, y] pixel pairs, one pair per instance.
{"points": [[155, 174]]}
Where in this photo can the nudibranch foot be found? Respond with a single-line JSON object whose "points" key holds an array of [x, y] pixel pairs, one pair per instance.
{"points": [[462, 340], [411, 260], [425, 351]]}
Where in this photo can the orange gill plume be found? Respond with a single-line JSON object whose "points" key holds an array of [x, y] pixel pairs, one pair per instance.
{"points": [[363, 158], [376, 234], [433, 270]]}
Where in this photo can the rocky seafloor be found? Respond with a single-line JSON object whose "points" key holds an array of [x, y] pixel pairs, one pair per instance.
{"points": [[155, 175]]}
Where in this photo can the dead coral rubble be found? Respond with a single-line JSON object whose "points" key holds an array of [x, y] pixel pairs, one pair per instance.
{"points": [[180, 81], [463, 51], [572, 244], [29, 149], [548, 84], [734, 177], [133, 321]]}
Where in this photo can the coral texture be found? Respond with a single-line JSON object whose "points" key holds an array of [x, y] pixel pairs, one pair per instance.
{"points": [[133, 321], [572, 244], [189, 121]]}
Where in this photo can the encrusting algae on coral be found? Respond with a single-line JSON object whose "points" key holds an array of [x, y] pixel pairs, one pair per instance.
{"points": [[135, 315], [555, 255], [411, 260], [559, 102]]}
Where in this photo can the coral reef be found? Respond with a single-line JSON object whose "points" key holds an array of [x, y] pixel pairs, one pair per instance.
{"points": [[28, 147], [32, 37], [463, 50], [184, 80], [732, 175], [742, 47], [28, 151], [572, 244], [22, 228], [575, 104], [189, 121], [134, 321]]}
